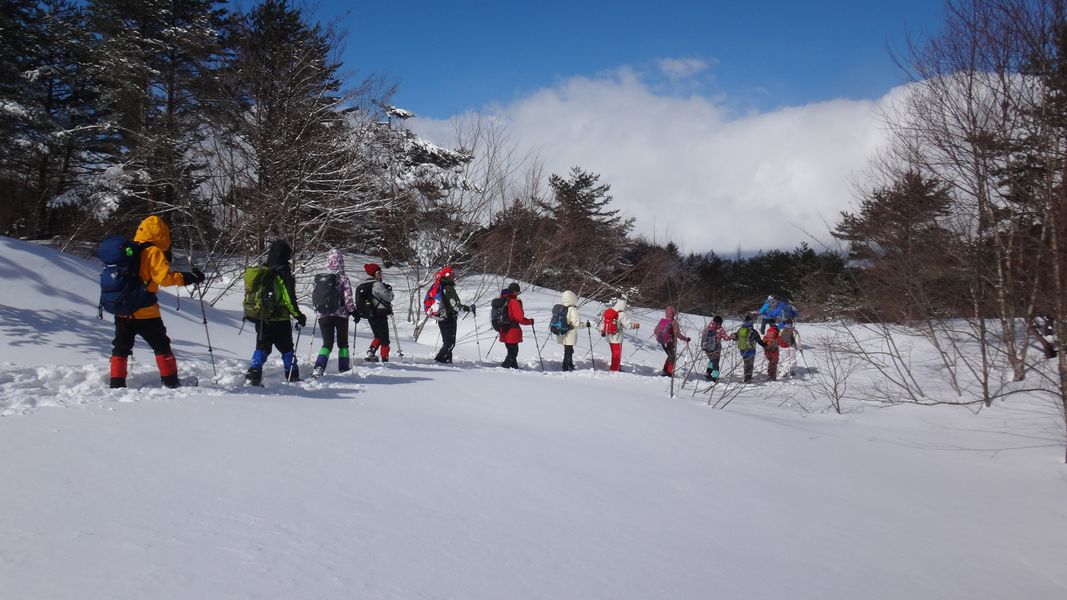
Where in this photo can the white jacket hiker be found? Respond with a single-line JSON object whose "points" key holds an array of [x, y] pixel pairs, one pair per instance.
{"points": [[570, 300], [624, 323]]}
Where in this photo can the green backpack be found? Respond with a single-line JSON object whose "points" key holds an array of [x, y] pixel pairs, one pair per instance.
{"points": [[744, 339], [263, 298]]}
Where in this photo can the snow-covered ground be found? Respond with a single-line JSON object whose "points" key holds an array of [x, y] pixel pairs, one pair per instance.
{"points": [[414, 480]]}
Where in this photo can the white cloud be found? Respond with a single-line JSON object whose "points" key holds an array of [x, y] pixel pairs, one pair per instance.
{"points": [[691, 170], [681, 68]]}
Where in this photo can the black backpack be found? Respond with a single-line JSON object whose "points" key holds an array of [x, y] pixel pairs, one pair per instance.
{"points": [[365, 300], [498, 314], [326, 295], [559, 325]]}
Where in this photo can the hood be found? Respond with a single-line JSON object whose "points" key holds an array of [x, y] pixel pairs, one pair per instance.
{"points": [[279, 254], [620, 305], [669, 312], [155, 231], [335, 262], [569, 298]]}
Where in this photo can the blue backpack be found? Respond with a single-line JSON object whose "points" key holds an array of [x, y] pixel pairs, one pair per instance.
{"points": [[121, 290], [559, 325]]}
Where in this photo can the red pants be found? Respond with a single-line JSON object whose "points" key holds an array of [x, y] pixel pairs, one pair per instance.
{"points": [[772, 363], [616, 357]]}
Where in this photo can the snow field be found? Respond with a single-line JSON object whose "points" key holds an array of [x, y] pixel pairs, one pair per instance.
{"points": [[415, 480]]}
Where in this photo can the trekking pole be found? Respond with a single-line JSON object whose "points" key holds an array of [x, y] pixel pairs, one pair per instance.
{"points": [[477, 333], [640, 345], [692, 364], [490, 351], [207, 334], [289, 373], [534, 329], [592, 358], [396, 334], [543, 344], [311, 346]]}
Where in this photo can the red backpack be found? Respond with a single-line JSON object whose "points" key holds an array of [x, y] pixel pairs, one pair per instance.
{"points": [[432, 302], [611, 321]]}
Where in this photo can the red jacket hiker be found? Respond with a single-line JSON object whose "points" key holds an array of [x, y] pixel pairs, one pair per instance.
{"points": [[513, 334]]}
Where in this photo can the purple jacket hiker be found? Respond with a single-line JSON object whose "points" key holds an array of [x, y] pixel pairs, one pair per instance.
{"points": [[335, 263]]}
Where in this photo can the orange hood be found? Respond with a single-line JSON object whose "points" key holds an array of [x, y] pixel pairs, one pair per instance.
{"points": [[154, 230]]}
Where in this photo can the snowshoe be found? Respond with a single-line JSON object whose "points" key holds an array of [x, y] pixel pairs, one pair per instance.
{"points": [[254, 377]]}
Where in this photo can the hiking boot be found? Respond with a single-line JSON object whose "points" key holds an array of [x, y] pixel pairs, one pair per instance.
{"points": [[118, 382], [371, 356], [318, 372], [254, 377], [170, 381]]}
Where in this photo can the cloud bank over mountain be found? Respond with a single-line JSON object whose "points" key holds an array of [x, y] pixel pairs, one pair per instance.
{"points": [[689, 166]]}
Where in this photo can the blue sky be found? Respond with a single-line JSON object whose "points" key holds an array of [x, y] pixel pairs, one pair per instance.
{"points": [[449, 57], [725, 126]]}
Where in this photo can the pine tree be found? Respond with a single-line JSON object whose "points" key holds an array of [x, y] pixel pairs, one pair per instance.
{"points": [[293, 129], [906, 251], [155, 60]]}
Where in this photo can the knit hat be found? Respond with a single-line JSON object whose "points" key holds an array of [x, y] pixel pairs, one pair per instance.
{"points": [[372, 268], [717, 319], [513, 286], [446, 272]]}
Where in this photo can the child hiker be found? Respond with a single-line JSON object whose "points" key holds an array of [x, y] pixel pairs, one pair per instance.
{"points": [[334, 325], [511, 335], [375, 302], [747, 339], [613, 325], [771, 341], [789, 342], [711, 340], [565, 326], [668, 332], [270, 301], [153, 270]]}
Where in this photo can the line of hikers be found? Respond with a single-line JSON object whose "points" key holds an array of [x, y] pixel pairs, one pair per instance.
{"points": [[135, 270]]}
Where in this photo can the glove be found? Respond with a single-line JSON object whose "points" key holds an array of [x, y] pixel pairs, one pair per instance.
{"points": [[474, 310], [588, 324], [354, 315], [301, 319], [531, 322], [193, 277], [466, 308]]}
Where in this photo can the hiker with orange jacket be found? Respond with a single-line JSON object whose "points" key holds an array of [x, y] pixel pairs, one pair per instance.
{"points": [[613, 324], [511, 335], [147, 321]]}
